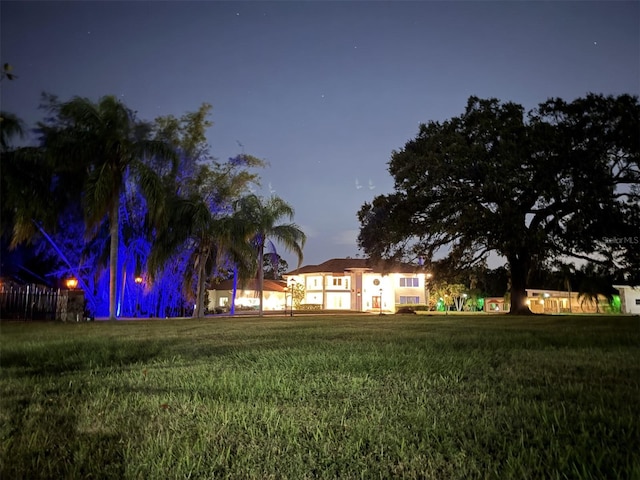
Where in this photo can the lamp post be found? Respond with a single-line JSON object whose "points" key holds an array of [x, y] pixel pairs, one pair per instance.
{"points": [[426, 288], [74, 309], [380, 301], [138, 281], [292, 284], [286, 291]]}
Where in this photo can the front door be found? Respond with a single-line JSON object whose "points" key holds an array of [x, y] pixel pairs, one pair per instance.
{"points": [[376, 302]]}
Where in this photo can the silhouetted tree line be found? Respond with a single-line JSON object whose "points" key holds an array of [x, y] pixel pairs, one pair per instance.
{"points": [[139, 212]]}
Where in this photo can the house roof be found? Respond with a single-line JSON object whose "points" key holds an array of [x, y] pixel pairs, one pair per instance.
{"points": [[341, 265], [268, 285]]}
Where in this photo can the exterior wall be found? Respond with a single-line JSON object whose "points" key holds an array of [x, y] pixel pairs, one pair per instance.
{"points": [[361, 290], [248, 299], [337, 292], [377, 293], [313, 287], [555, 301], [629, 299], [495, 305], [413, 291]]}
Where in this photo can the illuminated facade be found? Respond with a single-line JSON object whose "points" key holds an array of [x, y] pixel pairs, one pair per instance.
{"points": [[629, 299], [356, 284], [558, 301], [248, 297]]}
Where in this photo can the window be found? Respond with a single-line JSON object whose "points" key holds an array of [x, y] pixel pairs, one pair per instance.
{"points": [[409, 282], [637, 301], [405, 300], [337, 282]]}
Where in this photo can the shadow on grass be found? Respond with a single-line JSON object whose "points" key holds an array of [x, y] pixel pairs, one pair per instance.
{"points": [[73, 355], [47, 444]]}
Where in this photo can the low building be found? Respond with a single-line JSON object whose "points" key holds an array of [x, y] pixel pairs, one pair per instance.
{"points": [[248, 296], [629, 299], [558, 301], [496, 305]]}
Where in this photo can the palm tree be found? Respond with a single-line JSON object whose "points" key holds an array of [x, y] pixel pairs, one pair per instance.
{"points": [[200, 220], [264, 230], [106, 144], [593, 285], [236, 251], [29, 197], [10, 126], [190, 227], [33, 198], [565, 271]]}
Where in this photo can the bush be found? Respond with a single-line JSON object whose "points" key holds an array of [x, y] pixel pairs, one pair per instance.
{"points": [[309, 306], [405, 310]]}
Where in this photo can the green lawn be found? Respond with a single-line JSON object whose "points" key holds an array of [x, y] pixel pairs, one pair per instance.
{"points": [[322, 397]]}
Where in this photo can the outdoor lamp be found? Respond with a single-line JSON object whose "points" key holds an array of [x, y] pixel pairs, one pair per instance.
{"points": [[286, 291], [292, 284]]}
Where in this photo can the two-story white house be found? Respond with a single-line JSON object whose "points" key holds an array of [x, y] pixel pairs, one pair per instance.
{"points": [[356, 284]]}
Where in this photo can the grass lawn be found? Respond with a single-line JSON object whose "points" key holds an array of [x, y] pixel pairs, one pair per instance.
{"points": [[322, 397]]}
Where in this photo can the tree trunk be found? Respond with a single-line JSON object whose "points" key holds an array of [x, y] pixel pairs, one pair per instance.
{"points": [[199, 310], [113, 256], [232, 308], [260, 276], [519, 266]]}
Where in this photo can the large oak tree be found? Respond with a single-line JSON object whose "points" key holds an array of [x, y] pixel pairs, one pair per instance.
{"points": [[562, 180]]}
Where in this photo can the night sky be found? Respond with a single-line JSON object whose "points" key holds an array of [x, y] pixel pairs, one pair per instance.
{"points": [[324, 91]]}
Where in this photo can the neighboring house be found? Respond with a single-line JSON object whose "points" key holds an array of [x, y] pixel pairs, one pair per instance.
{"points": [[629, 299], [356, 284], [247, 296], [558, 301], [496, 305]]}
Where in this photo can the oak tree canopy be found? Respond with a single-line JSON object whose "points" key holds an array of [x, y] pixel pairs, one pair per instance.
{"points": [[561, 180]]}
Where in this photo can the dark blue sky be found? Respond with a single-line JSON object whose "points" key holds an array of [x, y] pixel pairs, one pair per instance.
{"points": [[324, 91]]}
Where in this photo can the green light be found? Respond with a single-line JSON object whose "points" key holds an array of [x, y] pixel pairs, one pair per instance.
{"points": [[616, 304]]}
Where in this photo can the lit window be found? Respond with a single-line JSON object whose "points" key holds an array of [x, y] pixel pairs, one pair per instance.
{"points": [[405, 300], [409, 282]]}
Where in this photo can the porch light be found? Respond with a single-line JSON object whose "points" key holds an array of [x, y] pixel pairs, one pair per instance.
{"points": [[138, 280], [72, 283]]}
